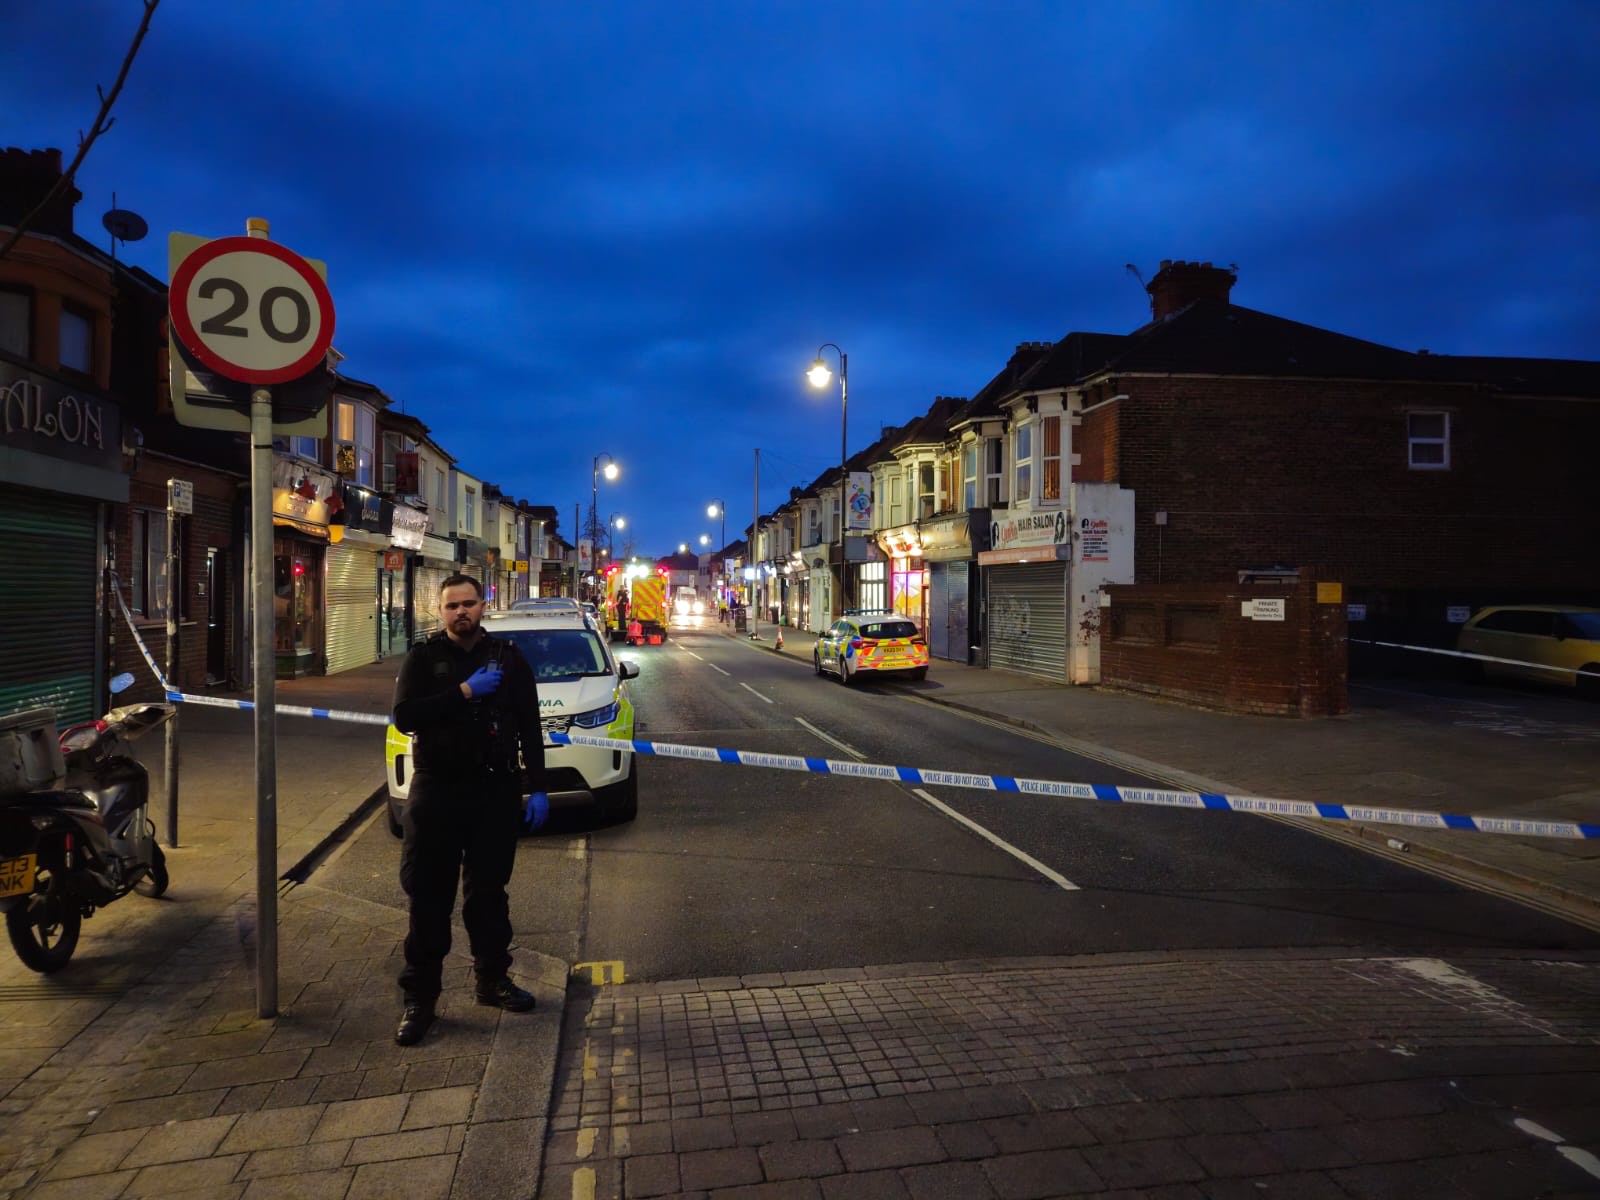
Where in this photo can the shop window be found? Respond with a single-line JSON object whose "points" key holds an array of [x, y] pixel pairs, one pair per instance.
{"points": [[1428, 441], [1024, 436], [148, 586], [16, 322], [1050, 458], [872, 588], [77, 341]]}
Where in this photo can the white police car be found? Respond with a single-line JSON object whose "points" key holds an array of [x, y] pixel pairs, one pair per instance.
{"points": [[583, 688]]}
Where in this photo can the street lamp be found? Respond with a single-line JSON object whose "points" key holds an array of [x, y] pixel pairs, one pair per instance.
{"points": [[683, 547], [611, 472], [613, 523], [719, 509], [819, 376]]}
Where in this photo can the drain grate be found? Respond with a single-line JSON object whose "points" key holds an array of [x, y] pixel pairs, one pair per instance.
{"points": [[18, 993]]}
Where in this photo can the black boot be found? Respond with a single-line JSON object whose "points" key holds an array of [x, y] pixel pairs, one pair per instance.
{"points": [[502, 993], [414, 1022]]}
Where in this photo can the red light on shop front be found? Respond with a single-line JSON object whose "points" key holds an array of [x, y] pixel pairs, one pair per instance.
{"points": [[299, 568]]}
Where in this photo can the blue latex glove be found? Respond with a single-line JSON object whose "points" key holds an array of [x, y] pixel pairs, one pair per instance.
{"points": [[536, 810], [484, 680]]}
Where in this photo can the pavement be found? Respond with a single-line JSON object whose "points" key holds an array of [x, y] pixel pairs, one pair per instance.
{"points": [[145, 1069]]}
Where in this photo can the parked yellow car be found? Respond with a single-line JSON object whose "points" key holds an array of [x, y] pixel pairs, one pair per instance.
{"points": [[1544, 643]]}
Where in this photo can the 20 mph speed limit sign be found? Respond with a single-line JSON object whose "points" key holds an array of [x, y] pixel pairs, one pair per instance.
{"points": [[251, 310]]}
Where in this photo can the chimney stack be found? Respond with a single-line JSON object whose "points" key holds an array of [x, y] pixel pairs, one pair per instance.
{"points": [[1179, 284], [25, 177]]}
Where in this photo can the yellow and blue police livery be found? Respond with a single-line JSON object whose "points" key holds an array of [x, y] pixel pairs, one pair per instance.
{"points": [[583, 688], [872, 641]]}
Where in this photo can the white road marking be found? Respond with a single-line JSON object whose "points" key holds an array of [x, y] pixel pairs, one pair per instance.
{"points": [[831, 740], [755, 693], [714, 667], [692, 654], [1060, 881], [1581, 1159]]}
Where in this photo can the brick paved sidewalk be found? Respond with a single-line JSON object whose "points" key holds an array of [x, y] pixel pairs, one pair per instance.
{"points": [[179, 1089], [1156, 1076]]}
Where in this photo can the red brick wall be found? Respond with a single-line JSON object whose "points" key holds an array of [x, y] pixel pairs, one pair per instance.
{"points": [[211, 525], [1095, 442], [1261, 472], [1191, 642]]}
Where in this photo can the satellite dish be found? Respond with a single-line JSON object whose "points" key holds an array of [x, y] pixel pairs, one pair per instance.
{"points": [[125, 226]]}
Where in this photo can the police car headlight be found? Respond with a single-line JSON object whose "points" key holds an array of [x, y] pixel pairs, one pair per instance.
{"points": [[598, 717]]}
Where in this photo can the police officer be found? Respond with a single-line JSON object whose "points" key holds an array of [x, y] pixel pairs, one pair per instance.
{"points": [[469, 701]]}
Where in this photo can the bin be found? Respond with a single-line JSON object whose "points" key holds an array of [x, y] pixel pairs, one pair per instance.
{"points": [[30, 754]]}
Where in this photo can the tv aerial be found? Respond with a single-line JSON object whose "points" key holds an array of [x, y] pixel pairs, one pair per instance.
{"points": [[123, 226]]}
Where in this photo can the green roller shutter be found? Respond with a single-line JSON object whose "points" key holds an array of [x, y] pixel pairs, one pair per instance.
{"points": [[351, 600], [49, 611]]}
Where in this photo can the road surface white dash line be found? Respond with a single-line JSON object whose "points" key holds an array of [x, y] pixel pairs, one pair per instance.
{"points": [[1059, 880], [714, 667], [833, 741], [755, 693]]}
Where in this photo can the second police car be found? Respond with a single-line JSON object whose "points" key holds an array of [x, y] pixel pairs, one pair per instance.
{"points": [[873, 642], [583, 688]]}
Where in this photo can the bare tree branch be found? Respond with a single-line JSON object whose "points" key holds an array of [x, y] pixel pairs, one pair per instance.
{"points": [[102, 122]]}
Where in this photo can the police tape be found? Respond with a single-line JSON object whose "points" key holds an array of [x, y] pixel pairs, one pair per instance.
{"points": [[116, 590], [1163, 797], [1470, 657], [1108, 793]]}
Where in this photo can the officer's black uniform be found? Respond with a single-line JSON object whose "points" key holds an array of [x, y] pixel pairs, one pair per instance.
{"points": [[465, 806]]}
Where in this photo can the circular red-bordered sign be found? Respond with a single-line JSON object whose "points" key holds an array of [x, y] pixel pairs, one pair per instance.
{"points": [[251, 310]]}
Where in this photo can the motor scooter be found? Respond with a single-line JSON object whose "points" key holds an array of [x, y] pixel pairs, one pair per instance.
{"points": [[84, 839]]}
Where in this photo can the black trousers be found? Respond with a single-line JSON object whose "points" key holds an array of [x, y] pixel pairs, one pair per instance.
{"points": [[457, 827]]}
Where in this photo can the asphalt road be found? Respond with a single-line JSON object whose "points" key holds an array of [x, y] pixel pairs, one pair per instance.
{"points": [[734, 870]]}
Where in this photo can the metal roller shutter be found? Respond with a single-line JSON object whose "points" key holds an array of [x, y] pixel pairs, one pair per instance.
{"points": [[351, 600], [51, 566], [1027, 618], [938, 609]]}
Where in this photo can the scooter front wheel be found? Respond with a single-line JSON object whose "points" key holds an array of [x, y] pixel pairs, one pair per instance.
{"points": [[154, 884], [44, 931]]}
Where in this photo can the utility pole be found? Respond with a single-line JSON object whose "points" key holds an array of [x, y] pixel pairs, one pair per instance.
{"points": [[755, 532]]}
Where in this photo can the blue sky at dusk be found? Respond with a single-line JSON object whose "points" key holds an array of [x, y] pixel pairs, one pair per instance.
{"points": [[554, 230]]}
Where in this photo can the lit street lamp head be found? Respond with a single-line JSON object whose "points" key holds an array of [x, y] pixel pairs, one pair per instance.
{"points": [[611, 470], [819, 374], [683, 547], [712, 510], [705, 539]]}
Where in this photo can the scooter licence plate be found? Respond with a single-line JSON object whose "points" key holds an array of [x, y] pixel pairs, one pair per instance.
{"points": [[16, 875]]}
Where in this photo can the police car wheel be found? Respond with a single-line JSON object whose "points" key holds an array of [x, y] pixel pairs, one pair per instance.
{"points": [[844, 673], [816, 662], [620, 801]]}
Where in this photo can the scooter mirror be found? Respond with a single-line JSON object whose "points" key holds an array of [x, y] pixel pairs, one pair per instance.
{"points": [[121, 683]]}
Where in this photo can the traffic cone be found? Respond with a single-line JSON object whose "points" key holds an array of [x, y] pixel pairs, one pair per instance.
{"points": [[778, 645]]}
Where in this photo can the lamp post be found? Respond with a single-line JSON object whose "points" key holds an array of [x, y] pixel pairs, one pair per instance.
{"points": [[718, 509], [612, 471], [613, 523], [819, 376]]}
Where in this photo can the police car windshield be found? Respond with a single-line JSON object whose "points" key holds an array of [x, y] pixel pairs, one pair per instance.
{"points": [[560, 653]]}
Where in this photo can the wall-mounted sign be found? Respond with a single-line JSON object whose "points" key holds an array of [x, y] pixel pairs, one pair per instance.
{"points": [[41, 416], [394, 560], [180, 497], [1355, 612], [1330, 593], [1094, 540], [1033, 529], [1274, 609], [1458, 614]]}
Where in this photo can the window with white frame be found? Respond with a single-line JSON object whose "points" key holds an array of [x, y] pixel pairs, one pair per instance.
{"points": [[16, 322], [994, 472], [77, 341], [469, 516], [1024, 441], [897, 506], [354, 427], [813, 524], [969, 476], [438, 491], [149, 562], [927, 498], [1050, 458], [1428, 441]]}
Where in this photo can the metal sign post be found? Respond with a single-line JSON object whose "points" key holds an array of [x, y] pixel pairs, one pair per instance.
{"points": [[180, 503], [254, 313]]}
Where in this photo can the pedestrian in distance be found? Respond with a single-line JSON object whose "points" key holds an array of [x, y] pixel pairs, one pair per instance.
{"points": [[470, 702]]}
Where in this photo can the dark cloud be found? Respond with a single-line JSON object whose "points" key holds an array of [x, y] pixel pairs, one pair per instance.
{"points": [[555, 230]]}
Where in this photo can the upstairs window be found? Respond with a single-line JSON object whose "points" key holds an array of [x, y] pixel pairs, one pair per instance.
{"points": [[897, 507], [927, 498], [1050, 458], [77, 342], [16, 323], [994, 472], [969, 476], [438, 491], [1428, 441], [469, 515], [354, 429], [1024, 463]]}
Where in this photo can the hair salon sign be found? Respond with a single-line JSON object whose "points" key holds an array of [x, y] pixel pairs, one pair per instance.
{"points": [[1031, 529], [42, 416]]}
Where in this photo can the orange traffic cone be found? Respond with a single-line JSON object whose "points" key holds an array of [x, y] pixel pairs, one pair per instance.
{"points": [[778, 645]]}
